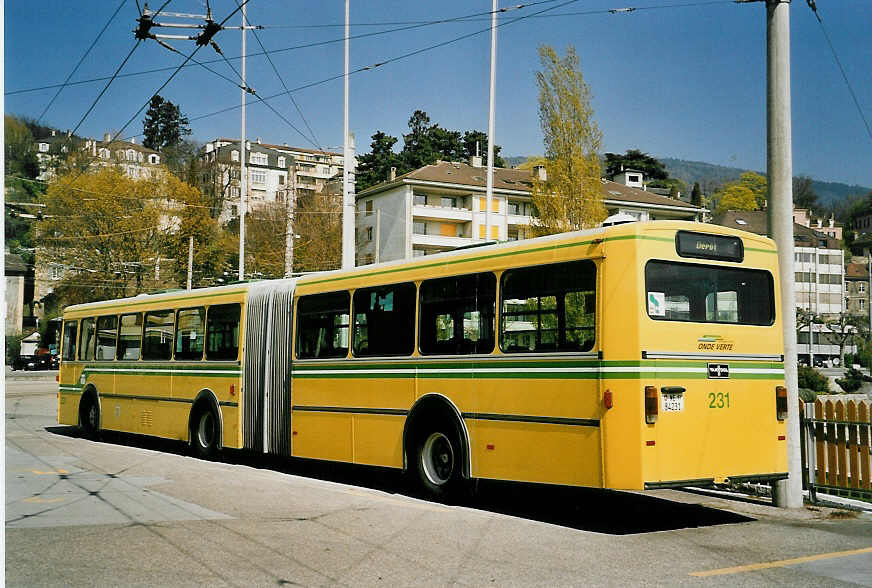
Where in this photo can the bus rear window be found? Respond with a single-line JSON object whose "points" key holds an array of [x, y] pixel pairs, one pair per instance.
{"points": [[709, 294]]}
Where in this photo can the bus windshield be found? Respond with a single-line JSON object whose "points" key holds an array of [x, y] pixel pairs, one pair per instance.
{"points": [[709, 294]]}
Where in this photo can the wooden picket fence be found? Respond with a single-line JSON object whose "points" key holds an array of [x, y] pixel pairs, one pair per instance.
{"points": [[836, 448]]}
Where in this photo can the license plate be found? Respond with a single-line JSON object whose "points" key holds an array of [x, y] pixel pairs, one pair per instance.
{"points": [[672, 402]]}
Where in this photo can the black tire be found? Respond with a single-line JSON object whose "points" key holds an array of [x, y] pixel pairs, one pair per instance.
{"points": [[205, 432], [437, 461], [89, 417]]}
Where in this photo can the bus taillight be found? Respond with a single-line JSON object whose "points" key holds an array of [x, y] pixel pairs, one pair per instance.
{"points": [[650, 404], [608, 402], [780, 403]]}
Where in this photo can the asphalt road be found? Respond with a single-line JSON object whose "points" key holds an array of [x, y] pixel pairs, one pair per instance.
{"points": [[132, 511]]}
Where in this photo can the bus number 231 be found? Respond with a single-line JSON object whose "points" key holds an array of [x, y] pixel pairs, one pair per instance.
{"points": [[719, 400]]}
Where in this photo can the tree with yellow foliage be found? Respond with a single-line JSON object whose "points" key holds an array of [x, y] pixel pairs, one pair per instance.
{"points": [[749, 192], [115, 236], [571, 195]]}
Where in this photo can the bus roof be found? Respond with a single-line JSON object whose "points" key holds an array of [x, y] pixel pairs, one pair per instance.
{"points": [[461, 254]]}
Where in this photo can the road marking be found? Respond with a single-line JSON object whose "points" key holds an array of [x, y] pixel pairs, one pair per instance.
{"points": [[39, 500], [780, 564]]}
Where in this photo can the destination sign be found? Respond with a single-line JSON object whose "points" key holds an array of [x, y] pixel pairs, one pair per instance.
{"points": [[704, 246]]}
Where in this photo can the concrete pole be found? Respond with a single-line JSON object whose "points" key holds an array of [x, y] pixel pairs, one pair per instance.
{"points": [[347, 196], [490, 121], [190, 260], [243, 172], [788, 493]]}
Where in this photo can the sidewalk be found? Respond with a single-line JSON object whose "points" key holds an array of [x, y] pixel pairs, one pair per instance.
{"points": [[39, 375]]}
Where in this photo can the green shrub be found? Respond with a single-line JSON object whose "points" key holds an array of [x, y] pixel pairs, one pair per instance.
{"points": [[13, 348], [807, 395], [853, 380], [812, 379]]}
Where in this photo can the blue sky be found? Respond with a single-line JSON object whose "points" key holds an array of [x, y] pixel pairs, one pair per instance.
{"points": [[674, 81]]}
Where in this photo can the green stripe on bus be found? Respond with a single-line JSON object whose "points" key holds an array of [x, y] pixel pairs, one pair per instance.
{"points": [[514, 375], [146, 372], [98, 309], [546, 364]]}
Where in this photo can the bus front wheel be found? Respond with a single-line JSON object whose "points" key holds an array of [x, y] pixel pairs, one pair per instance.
{"points": [[437, 462], [204, 432]]}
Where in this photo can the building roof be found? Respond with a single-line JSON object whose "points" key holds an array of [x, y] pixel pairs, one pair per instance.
{"points": [[278, 147], [755, 221], [856, 271], [517, 180], [460, 174], [615, 191], [121, 144]]}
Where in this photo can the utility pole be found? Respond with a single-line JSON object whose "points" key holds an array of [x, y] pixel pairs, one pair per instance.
{"points": [[348, 207], [490, 121], [208, 29], [243, 172], [788, 493], [190, 260], [290, 229]]}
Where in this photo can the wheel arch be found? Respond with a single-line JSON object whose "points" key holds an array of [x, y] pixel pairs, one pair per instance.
{"points": [[437, 405], [208, 398], [89, 391]]}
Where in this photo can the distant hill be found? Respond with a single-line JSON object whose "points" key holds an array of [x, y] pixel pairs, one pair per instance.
{"points": [[711, 177], [515, 161]]}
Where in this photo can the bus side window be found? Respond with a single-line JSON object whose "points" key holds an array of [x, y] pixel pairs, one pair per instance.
{"points": [[86, 340], [384, 320], [69, 341], [107, 333], [457, 314], [129, 336], [222, 332], [548, 308], [158, 340], [190, 330], [322, 325]]}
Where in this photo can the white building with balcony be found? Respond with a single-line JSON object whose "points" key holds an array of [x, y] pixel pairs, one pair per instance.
{"points": [[443, 206]]}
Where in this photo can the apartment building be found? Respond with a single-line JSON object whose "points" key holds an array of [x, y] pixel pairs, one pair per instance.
{"points": [[819, 285], [136, 161], [275, 173], [443, 206], [857, 287]]}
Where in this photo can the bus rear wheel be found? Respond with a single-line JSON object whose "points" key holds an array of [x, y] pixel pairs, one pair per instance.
{"points": [[89, 417], [205, 431], [437, 462]]}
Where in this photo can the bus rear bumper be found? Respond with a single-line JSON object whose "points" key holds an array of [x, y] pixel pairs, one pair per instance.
{"points": [[711, 481]]}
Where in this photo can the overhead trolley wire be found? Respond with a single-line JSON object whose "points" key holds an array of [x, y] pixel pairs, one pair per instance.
{"points": [[112, 79], [282, 50], [81, 60], [387, 61], [811, 4], [285, 86], [177, 70]]}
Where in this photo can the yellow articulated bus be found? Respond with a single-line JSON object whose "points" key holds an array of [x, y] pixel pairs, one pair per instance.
{"points": [[636, 356]]}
